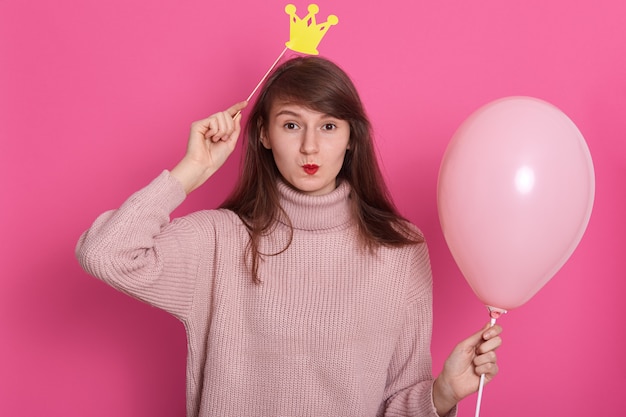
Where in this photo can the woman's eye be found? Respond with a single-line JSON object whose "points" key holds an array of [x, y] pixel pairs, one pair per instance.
{"points": [[329, 126], [290, 125]]}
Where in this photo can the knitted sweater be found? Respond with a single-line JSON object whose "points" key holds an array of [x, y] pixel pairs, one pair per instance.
{"points": [[332, 330]]}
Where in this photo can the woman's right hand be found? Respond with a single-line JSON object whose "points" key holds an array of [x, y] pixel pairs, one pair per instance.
{"points": [[211, 141]]}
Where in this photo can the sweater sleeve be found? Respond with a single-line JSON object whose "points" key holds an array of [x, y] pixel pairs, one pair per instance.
{"points": [[137, 250], [409, 389]]}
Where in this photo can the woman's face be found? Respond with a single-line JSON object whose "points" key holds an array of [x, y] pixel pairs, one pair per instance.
{"points": [[308, 146]]}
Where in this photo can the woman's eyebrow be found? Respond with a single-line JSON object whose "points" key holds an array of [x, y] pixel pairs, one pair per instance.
{"points": [[293, 113], [287, 112]]}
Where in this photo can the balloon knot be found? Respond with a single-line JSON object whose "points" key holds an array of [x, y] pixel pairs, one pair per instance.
{"points": [[495, 312]]}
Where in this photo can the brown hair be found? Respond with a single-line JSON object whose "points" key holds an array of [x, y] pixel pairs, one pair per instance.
{"points": [[322, 86]]}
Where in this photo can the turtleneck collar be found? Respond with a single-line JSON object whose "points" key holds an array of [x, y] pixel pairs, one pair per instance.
{"points": [[322, 212]]}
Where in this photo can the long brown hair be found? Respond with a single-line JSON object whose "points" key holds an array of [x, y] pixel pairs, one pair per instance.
{"points": [[322, 86]]}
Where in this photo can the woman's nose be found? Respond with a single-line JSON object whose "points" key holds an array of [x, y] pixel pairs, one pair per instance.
{"points": [[309, 142]]}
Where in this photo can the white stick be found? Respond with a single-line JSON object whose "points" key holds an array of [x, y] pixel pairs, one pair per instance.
{"points": [[482, 383], [263, 79], [266, 74]]}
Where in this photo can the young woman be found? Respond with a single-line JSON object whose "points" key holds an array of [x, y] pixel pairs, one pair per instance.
{"points": [[306, 293]]}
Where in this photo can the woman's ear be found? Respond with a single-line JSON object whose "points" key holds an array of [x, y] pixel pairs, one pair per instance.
{"points": [[263, 137], [265, 142]]}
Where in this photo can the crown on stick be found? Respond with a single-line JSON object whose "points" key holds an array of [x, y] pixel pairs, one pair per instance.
{"points": [[305, 34]]}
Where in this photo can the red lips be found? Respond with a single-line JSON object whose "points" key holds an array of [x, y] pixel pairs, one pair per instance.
{"points": [[310, 168]]}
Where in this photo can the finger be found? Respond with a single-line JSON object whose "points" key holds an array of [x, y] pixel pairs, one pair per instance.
{"points": [[489, 345], [222, 127], [236, 108], [201, 127], [489, 357], [237, 124], [491, 339], [212, 127], [486, 364], [217, 125], [492, 331], [229, 126], [489, 369], [474, 340]]}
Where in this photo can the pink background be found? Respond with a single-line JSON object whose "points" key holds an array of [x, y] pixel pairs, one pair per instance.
{"points": [[96, 98]]}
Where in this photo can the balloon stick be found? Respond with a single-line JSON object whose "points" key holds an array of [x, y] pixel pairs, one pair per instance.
{"points": [[482, 382], [494, 313]]}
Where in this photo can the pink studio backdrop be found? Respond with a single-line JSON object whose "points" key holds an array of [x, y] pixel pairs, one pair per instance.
{"points": [[96, 98]]}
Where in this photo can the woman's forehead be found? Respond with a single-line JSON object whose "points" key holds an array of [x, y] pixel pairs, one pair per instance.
{"points": [[295, 108]]}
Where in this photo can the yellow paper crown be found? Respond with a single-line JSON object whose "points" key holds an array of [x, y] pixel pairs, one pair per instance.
{"points": [[305, 34]]}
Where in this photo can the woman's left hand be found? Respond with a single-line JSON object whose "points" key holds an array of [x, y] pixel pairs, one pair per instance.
{"points": [[461, 372]]}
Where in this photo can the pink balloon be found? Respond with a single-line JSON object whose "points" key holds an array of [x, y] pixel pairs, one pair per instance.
{"points": [[515, 193]]}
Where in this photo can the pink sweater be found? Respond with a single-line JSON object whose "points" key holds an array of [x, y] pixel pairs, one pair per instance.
{"points": [[330, 331]]}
